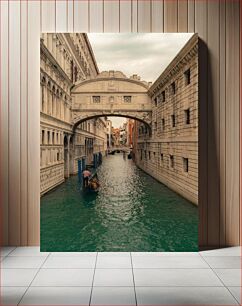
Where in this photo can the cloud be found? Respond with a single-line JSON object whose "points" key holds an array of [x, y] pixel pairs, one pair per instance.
{"points": [[145, 54]]}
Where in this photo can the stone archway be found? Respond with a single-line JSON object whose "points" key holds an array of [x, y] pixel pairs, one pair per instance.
{"points": [[111, 93], [78, 120]]}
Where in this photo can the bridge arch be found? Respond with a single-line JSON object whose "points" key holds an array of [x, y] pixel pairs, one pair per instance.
{"points": [[95, 116], [111, 93]]}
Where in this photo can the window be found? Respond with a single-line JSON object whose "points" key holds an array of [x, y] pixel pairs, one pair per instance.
{"points": [[163, 124], [58, 156], [155, 125], [96, 99], [141, 155], [172, 161], [75, 74], [156, 101], [173, 88], [154, 156], [53, 137], [145, 155], [127, 99], [162, 158], [48, 137], [43, 136], [187, 75], [187, 116], [185, 164], [163, 96], [173, 120], [42, 97], [149, 154]]}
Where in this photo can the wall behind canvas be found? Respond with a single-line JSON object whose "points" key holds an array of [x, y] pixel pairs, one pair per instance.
{"points": [[218, 25]]}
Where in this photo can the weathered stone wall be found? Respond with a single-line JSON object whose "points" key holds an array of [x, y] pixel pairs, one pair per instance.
{"points": [[171, 153], [51, 177], [65, 60]]}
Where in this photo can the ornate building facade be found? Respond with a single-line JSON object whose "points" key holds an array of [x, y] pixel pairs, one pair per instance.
{"points": [[170, 154], [65, 60], [76, 99]]}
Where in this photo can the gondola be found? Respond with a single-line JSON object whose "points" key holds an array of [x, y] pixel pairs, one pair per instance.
{"points": [[93, 184]]}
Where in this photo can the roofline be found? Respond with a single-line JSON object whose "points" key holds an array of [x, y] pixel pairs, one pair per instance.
{"points": [[179, 56], [108, 79], [91, 51]]}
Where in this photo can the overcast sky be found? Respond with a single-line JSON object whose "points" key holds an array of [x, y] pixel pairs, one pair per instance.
{"points": [[145, 54]]}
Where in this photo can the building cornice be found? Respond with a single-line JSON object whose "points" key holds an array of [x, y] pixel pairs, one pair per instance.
{"points": [[91, 52], [181, 59], [78, 84], [53, 61]]}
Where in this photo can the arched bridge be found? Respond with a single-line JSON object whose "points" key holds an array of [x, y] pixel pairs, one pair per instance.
{"points": [[120, 148], [111, 94]]}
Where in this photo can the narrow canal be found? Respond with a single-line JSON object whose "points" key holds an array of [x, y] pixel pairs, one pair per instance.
{"points": [[131, 212]]}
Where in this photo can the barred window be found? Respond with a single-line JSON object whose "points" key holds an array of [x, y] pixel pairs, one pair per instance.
{"points": [[187, 76], [96, 99], [127, 99], [185, 164], [173, 120], [187, 116], [163, 96], [155, 101], [172, 161], [173, 88]]}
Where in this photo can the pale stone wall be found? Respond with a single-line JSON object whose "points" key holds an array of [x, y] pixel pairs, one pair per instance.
{"points": [[171, 153], [65, 60], [111, 93]]}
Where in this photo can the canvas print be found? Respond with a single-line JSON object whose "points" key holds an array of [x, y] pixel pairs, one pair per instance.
{"points": [[119, 142]]}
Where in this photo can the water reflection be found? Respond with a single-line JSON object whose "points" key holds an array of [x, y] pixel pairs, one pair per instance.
{"points": [[131, 212]]}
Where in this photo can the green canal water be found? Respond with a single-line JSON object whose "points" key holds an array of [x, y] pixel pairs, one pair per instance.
{"points": [[131, 212]]}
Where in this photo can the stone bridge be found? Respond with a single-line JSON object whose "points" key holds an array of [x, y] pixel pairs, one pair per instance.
{"points": [[120, 148], [111, 93]]}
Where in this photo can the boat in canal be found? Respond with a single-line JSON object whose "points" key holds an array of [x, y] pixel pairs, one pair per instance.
{"points": [[93, 184], [131, 212]]}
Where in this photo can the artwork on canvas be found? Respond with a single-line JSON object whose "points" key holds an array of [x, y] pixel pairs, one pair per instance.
{"points": [[119, 142]]}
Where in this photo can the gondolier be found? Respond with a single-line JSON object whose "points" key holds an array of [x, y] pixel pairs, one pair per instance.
{"points": [[86, 174]]}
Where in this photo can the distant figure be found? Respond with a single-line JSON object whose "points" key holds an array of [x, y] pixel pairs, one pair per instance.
{"points": [[86, 174]]}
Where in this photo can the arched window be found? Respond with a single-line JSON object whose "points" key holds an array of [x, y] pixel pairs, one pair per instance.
{"points": [[48, 137], [42, 97], [53, 137], [43, 137]]}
